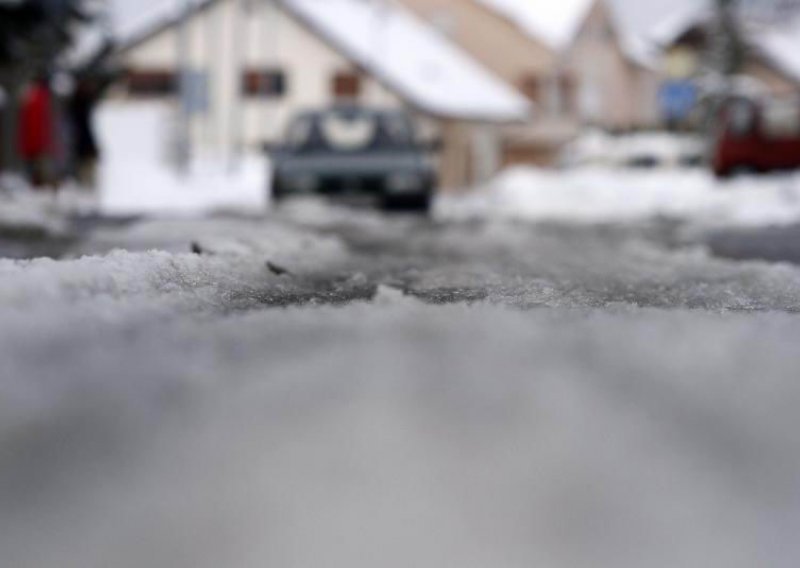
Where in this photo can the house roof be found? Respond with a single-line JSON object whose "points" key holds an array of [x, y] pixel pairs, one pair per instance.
{"points": [[552, 22], [154, 17], [412, 59], [776, 44], [556, 23], [671, 28], [780, 46]]}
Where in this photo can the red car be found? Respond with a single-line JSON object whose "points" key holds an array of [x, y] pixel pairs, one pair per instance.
{"points": [[756, 136]]}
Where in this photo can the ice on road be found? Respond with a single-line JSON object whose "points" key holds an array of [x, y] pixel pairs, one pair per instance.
{"points": [[399, 393]]}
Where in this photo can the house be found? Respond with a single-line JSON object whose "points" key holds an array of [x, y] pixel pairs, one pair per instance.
{"points": [[570, 58], [770, 67], [615, 71], [253, 64]]}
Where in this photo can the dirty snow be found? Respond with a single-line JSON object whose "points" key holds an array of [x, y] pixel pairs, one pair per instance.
{"points": [[506, 395]]}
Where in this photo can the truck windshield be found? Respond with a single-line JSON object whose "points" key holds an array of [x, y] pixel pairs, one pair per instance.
{"points": [[348, 132]]}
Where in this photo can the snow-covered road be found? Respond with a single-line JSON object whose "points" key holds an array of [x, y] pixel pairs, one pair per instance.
{"points": [[319, 388]]}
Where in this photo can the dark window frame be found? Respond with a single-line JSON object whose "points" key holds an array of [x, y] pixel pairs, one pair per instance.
{"points": [[347, 85], [533, 86], [269, 83], [151, 82]]}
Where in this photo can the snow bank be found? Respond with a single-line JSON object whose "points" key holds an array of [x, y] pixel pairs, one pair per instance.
{"points": [[159, 274], [26, 212], [662, 149], [608, 195], [30, 214], [136, 176]]}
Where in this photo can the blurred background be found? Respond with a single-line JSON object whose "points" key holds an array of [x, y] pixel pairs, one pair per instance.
{"points": [[100, 95]]}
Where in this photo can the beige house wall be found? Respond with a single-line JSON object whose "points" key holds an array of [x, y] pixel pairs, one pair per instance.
{"points": [[614, 92], [776, 83], [491, 39]]}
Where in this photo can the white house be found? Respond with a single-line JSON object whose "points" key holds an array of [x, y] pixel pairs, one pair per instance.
{"points": [[255, 63]]}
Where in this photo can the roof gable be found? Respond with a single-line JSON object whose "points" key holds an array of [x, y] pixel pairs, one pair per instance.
{"points": [[552, 22], [780, 47]]}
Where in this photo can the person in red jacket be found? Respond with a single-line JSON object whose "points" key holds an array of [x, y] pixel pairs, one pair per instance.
{"points": [[37, 133]]}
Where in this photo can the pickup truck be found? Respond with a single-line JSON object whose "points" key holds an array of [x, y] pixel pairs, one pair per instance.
{"points": [[344, 151]]}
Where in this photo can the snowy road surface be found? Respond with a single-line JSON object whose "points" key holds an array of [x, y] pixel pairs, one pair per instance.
{"points": [[324, 389]]}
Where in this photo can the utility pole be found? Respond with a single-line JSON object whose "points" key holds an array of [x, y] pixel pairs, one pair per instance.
{"points": [[239, 50], [727, 46], [183, 150]]}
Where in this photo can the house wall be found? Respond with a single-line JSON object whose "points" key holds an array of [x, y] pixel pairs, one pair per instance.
{"points": [[776, 83], [614, 92], [490, 38]]}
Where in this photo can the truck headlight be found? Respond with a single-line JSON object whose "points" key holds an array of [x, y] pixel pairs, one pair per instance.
{"points": [[404, 182]]}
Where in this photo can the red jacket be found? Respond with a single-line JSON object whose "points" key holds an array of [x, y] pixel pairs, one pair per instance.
{"points": [[36, 127]]}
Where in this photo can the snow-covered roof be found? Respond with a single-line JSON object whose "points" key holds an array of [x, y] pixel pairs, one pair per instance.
{"points": [[777, 44], [151, 16], [553, 22], [667, 31], [412, 59], [781, 47]]}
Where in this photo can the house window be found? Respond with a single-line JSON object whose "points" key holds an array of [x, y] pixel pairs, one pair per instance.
{"points": [[267, 83], [555, 94], [346, 85], [567, 94], [151, 82], [532, 87]]}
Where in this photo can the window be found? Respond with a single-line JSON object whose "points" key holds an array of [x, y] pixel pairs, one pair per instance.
{"points": [[568, 98], [151, 82], [267, 83], [346, 85], [555, 94], [532, 87]]}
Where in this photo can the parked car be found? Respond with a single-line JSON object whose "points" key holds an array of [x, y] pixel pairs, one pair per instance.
{"points": [[343, 151], [641, 150], [756, 136]]}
